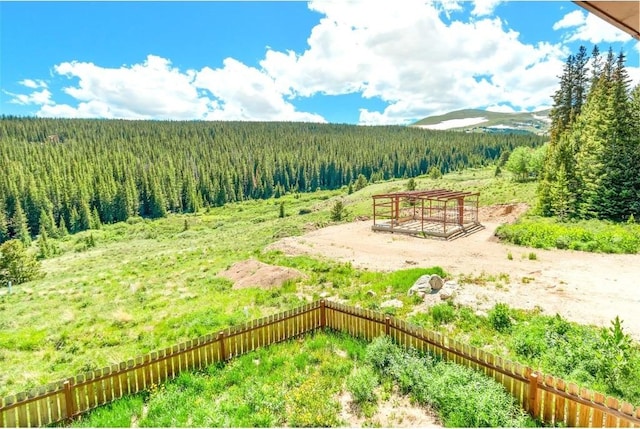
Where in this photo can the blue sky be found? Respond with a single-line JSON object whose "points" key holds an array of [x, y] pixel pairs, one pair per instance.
{"points": [[343, 61]]}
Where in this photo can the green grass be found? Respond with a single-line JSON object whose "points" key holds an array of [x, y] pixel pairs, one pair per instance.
{"points": [[592, 357], [297, 383], [147, 285], [586, 235]]}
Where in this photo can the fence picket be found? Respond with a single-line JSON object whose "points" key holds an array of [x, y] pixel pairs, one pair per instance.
{"points": [[560, 413], [598, 414], [611, 420], [549, 398], [572, 417], [584, 417]]}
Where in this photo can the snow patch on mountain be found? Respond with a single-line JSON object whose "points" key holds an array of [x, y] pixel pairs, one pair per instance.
{"points": [[454, 123]]}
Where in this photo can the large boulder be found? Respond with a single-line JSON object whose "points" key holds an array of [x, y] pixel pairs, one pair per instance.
{"points": [[425, 284], [448, 290], [436, 282], [422, 286]]}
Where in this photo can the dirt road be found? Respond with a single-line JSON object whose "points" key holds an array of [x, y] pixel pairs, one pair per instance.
{"points": [[588, 288]]}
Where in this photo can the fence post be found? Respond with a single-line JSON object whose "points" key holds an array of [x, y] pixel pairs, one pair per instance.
{"points": [[533, 392], [387, 325], [222, 350], [68, 398], [323, 316]]}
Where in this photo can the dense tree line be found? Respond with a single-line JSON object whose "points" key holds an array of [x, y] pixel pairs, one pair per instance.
{"points": [[592, 166], [61, 176]]}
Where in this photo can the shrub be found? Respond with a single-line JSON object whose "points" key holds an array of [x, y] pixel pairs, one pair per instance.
{"points": [[461, 396], [16, 265], [443, 313], [382, 354], [338, 211], [500, 318], [362, 383]]}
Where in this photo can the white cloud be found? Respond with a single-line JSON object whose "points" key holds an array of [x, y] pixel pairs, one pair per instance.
{"points": [[36, 97], [33, 84], [155, 89], [245, 93], [410, 59], [484, 7], [572, 19], [590, 28]]}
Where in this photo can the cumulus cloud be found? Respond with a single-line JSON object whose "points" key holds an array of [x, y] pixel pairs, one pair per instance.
{"points": [[33, 84], [42, 97], [155, 89], [409, 58], [484, 7], [246, 93], [590, 28]]}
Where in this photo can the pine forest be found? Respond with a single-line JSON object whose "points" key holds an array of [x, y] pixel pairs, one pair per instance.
{"points": [[62, 176]]}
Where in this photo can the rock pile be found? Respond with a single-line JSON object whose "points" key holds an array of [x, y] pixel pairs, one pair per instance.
{"points": [[433, 284]]}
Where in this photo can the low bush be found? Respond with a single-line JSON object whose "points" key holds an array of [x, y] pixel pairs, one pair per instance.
{"points": [[443, 313], [461, 396], [587, 235], [362, 384], [500, 317]]}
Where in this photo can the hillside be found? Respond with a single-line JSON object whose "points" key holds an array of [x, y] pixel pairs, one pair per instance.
{"points": [[476, 120]]}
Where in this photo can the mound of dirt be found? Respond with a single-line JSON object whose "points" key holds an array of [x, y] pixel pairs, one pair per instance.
{"points": [[253, 273], [502, 213]]}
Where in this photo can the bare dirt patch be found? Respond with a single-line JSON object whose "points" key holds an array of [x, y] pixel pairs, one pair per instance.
{"points": [[253, 273], [395, 412], [588, 288]]}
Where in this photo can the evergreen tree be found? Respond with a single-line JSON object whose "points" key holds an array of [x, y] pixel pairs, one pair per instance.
{"points": [[95, 219], [590, 133], [18, 228], [619, 190], [411, 185], [338, 211], [361, 182], [567, 105], [16, 266], [4, 230], [63, 231], [44, 248]]}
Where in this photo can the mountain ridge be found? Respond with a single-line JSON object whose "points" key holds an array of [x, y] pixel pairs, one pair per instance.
{"points": [[478, 120]]}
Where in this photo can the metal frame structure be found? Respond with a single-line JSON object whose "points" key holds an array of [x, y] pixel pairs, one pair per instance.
{"points": [[438, 213]]}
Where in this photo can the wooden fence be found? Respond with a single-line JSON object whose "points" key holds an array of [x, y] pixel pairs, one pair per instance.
{"points": [[550, 399]]}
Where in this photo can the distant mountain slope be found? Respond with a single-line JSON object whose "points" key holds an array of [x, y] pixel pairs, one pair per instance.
{"points": [[476, 120]]}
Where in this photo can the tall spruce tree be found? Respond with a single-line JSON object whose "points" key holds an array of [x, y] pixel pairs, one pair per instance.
{"points": [[619, 190], [4, 230], [567, 105]]}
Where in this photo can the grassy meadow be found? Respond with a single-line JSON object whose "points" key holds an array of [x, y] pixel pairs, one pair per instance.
{"points": [[132, 287], [302, 384]]}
